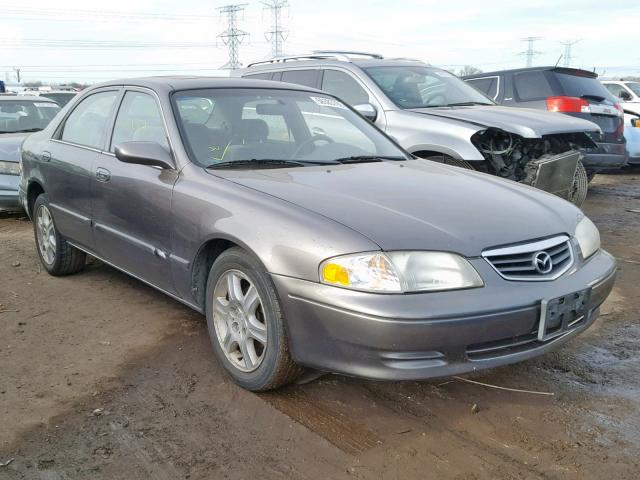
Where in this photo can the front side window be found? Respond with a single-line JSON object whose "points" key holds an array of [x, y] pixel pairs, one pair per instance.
{"points": [[344, 86], [276, 125], [424, 87], [634, 87], [487, 85], [138, 120], [25, 115], [87, 123]]}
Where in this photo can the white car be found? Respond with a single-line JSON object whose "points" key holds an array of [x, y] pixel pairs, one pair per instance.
{"points": [[628, 92]]}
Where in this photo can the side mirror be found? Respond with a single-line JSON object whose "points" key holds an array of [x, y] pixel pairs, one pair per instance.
{"points": [[624, 95], [144, 153], [367, 110]]}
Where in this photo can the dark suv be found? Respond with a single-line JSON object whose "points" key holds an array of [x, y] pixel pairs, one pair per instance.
{"points": [[567, 90]]}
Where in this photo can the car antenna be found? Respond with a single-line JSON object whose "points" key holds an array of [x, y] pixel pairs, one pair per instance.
{"points": [[559, 58]]}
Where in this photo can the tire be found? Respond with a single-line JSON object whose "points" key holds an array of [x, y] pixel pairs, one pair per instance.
{"points": [[248, 335], [578, 192], [56, 255]]}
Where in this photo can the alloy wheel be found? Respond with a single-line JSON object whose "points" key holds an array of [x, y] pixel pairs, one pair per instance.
{"points": [[46, 235], [239, 320]]}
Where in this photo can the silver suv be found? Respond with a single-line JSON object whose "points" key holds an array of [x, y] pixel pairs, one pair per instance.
{"points": [[433, 114]]}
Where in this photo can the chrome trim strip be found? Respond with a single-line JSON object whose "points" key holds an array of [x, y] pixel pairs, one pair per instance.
{"points": [[76, 215], [84, 147], [532, 248], [127, 238], [175, 297]]}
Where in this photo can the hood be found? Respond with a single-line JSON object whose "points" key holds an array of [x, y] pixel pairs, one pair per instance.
{"points": [[526, 122], [10, 146], [418, 204]]}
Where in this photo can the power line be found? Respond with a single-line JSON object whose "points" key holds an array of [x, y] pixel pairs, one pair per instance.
{"points": [[530, 53], [15, 10], [232, 36], [277, 35], [567, 51]]}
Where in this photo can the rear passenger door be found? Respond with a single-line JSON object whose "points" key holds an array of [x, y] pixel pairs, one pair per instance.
{"points": [[68, 163], [132, 203]]}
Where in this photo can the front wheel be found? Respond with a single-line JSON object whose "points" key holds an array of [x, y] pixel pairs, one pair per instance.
{"points": [[57, 256], [246, 324]]}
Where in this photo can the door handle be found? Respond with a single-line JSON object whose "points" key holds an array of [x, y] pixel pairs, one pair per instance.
{"points": [[46, 156], [103, 175]]}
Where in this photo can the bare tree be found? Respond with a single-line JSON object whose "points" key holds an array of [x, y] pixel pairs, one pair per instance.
{"points": [[469, 70]]}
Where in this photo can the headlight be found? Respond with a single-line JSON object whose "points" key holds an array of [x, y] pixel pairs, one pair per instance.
{"points": [[400, 272], [9, 168], [588, 237]]}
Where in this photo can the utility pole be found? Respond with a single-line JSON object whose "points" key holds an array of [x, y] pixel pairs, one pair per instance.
{"points": [[232, 36], [530, 52], [277, 35], [567, 51], [17, 72]]}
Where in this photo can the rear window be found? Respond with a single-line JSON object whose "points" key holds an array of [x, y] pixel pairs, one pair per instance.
{"points": [[259, 76], [576, 86], [531, 86], [308, 78]]}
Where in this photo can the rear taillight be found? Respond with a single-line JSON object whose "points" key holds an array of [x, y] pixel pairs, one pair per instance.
{"points": [[568, 104]]}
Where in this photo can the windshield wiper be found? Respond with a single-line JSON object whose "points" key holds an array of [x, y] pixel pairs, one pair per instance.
{"points": [[465, 104], [258, 162], [26, 130], [366, 159]]}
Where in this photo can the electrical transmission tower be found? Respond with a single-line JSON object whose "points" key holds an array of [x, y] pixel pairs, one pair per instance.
{"points": [[277, 35], [567, 51], [232, 36], [530, 52]]}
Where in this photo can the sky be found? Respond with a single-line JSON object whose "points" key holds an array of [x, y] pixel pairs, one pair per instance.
{"points": [[87, 41]]}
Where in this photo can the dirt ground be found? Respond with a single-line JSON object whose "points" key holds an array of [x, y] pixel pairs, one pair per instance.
{"points": [[102, 377]]}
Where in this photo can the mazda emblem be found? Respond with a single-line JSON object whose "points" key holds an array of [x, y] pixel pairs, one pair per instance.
{"points": [[542, 262]]}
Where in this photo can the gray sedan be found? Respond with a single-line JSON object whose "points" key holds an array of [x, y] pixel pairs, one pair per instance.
{"points": [[334, 250]]}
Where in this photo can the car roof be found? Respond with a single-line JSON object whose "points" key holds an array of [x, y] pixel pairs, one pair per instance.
{"points": [[25, 97], [176, 83], [570, 71]]}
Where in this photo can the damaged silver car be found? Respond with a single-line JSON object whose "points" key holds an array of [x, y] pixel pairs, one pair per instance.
{"points": [[433, 114]]}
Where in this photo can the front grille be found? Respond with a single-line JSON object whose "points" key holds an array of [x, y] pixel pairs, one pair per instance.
{"points": [[534, 261]]}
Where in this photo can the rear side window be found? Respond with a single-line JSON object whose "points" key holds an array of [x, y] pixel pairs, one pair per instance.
{"points": [[344, 86], [138, 120], [259, 76], [487, 85], [532, 86], [87, 123], [308, 78]]}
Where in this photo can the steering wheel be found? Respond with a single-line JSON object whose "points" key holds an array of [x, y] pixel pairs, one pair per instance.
{"points": [[437, 96], [311, 141]]}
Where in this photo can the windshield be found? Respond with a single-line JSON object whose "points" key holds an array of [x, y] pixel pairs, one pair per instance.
{"points": [[25, 115], [422, 87], [220, 126], [634, 87]]}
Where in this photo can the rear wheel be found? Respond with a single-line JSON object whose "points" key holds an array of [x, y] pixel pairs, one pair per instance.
{"points": [[578, 192], [57, 256], [246, 324]]}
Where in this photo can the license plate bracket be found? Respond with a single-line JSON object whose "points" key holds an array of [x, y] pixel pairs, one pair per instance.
{"points": [[557, 315]]}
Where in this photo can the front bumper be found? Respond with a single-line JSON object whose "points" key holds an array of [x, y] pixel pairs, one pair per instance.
{"points": [[418, 336], [9, 192]]}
